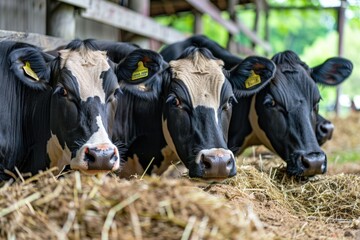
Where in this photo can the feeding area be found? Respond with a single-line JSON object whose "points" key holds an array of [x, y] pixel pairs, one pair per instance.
{"points": [[191, 120], [260, 202]]}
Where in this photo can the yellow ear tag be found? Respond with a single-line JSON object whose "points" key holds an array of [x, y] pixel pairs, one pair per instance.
{"points": [[140, 72], [252, 80], [30, 72]]}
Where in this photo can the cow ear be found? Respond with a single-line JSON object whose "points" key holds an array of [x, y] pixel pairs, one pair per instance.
{"points": [[140, 73], [251, 75], [332, 72], [30, 66]]}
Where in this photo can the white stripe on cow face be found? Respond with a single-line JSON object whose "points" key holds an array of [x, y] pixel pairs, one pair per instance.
{"points": [[203, 78], [254, 121], [168, 137], [86, 66], [98, 138], [59, 157]]}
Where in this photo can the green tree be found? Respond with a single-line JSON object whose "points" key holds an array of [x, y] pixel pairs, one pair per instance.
{"points": [[326, 47]]}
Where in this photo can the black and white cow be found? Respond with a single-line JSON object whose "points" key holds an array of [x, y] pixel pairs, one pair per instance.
{"points": [[57, 111], [283, 115], [185, 113]]}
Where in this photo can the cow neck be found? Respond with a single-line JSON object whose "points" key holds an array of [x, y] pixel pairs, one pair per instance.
{"points": [[37, 116]]}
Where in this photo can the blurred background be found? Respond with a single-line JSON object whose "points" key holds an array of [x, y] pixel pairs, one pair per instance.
{"points": [[314, 29]]}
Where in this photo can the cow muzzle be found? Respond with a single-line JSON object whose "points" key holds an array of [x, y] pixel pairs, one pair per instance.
{"points": [[324, 131], [98, 158], [217, 163], [313, 163]]}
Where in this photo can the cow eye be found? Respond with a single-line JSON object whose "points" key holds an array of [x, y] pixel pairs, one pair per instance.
{"points": [[174, 101], [116, 93], [62, 91], [269, 102], [229, 103]]}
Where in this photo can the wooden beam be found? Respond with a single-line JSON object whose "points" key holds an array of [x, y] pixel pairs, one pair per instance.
{"points": [[77, 3], [310, 7], [123, 18], [45, 42], [198, 23], [205, 6]]}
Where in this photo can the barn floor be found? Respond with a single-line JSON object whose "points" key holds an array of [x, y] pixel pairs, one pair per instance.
{"points": [[261, 202]]}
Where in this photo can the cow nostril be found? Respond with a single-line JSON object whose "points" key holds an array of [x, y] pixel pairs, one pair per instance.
{"points": [[88, 156], [305, 162], [324, 129], [206, 162], [229, 163]]}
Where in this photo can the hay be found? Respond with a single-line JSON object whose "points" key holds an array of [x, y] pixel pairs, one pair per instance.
{"points": [[260, 202], [326, 198], [88, 207], [93, 207]]}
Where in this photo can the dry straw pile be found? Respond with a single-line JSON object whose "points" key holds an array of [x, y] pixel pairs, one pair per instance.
{"points": [[93, 207], [84, 207]]}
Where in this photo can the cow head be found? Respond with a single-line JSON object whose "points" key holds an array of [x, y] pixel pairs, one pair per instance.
{"points": [[82, 109], [198, 106], [196, 95], [82, 94], [289, 107]]}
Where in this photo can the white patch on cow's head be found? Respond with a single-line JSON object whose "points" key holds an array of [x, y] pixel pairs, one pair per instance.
{"points": [[203, 78], [86, 66], [168, 137], [98, 138], [59, 157], [254, 121]]}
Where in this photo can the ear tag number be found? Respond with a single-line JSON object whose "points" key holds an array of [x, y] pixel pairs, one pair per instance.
{"points": [[30, 72], [140, 72], [253, 80]]}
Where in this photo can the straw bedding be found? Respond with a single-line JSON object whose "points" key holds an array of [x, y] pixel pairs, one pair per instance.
{"points": [[261, 202]]}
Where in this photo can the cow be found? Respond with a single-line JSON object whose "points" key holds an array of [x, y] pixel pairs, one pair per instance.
{"points": [[185, 113], [283, 115], [57, 111]]}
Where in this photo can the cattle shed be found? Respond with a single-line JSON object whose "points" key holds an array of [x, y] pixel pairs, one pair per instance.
{"points": [[51, 23]]}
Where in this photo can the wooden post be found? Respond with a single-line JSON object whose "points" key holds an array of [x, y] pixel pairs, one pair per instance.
{"points": [[60, 20], [340, 29], [258, 9], [267, 28], [198, 25], [231, 45], [143, 7]]}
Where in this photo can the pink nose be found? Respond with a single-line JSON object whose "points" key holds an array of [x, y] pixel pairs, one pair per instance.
{"points": [[217, 164], [102, 157]]}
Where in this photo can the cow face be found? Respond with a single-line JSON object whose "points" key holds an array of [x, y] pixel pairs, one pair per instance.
{"points": [[197, 111], [289, 107], [81, 103], [82, 110]]}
